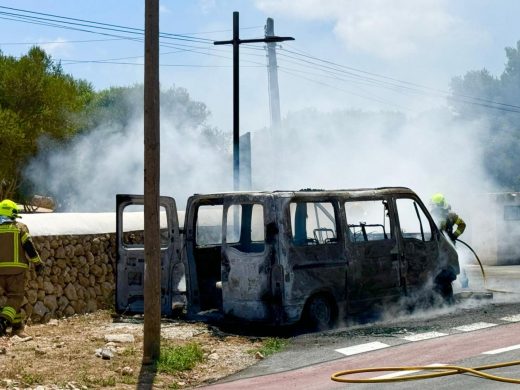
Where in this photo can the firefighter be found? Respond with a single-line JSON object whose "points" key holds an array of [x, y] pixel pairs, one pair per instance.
{"points": [[446, 219], [17, 251]]}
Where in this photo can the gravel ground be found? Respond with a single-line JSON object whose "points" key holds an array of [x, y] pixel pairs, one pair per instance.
{"points": [[72, 354]]}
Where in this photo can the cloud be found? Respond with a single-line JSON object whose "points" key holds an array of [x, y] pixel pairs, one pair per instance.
{"points": [[207, 6], [386, 29], [164, 10], [57, 48]]}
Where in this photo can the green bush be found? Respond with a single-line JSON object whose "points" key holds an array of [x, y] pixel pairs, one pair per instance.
{"points": [[179, 358]]}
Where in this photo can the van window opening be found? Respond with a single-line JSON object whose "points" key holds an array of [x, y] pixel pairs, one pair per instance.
{"points": [[245, 227], [368, 220], [313, 223], [133, 226], [413, 221], [208, 228]]}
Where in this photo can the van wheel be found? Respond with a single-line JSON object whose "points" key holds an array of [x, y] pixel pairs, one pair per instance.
{"points": [[443, 286], [320, 313], [445, 291]]}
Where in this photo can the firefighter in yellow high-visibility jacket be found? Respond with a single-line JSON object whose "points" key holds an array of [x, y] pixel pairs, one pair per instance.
{"points": [[446, 220], [17, 251]]}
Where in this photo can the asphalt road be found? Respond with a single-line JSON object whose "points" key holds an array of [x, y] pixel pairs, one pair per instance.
{"points": [[477, 330]]}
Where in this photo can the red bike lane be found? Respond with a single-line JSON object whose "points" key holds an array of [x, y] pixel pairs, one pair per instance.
{"points": [[443, 350]]}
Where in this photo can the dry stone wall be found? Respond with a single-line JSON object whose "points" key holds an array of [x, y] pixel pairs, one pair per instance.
{"points": [[79, 277]]}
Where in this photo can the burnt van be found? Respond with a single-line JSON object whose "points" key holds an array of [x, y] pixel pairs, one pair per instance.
{"points": [[279, 257]]}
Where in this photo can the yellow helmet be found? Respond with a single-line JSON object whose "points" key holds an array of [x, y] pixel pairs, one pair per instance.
{"points": [[438, 200], [9, 209]]}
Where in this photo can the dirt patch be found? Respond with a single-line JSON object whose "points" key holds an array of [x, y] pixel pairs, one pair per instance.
{"points": [[76, 353]]}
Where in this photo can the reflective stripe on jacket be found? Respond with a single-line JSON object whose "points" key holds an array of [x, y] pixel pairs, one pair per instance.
{"points": [[16, 248]]}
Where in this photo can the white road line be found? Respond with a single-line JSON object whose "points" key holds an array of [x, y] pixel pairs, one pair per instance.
{"points": [[513, 318], [500, 350], [475, 326], [403, 373], [355, 349], [424, 336]]}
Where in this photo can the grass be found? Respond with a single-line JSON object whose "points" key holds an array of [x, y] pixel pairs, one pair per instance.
{"points": [[179, 358], [31, 379], [271, 345]]}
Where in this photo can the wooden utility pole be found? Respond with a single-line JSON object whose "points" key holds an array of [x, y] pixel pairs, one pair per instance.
{"points": [[236, 41], [152, 244]]}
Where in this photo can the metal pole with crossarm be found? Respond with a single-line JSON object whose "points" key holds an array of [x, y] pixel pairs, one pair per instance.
{"points": [[236, 41]]}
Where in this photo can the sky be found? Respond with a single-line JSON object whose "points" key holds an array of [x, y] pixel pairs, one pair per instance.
{"points": [[362, 90], [426, 42]]}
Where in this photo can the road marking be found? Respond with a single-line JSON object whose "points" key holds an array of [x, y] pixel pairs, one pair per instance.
{"points": [[354, 350], [403, 373], [475, 326], [513, 318], [424, 336], [500, 350]]}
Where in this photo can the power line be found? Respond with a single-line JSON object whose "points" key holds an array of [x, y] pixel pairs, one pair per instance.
{"points": [[333, 69], [74, 62], [110, 26], [89, 23], [406, 84], [376, 99], [60, 41]]}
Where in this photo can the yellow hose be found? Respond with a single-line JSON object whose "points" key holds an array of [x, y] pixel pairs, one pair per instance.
{"points": [[482, 270], [440, 371]]}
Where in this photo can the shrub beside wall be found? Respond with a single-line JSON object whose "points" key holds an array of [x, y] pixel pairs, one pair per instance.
{"points": [[79, 277]]}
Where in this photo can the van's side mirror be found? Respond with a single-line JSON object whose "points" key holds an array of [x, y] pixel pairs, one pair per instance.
{"points": [[271, 230]]}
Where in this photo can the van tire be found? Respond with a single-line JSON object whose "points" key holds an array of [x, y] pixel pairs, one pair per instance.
{"points": [[320, 312], [443, 286]]}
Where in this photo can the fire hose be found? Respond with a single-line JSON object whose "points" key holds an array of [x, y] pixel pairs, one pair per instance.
{"points": [[482, 269], [444, 370], [440, 371]]}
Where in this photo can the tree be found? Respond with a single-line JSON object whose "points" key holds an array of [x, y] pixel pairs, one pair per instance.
{"points": [[478, 95], [36, 99], [105, 157], [116, 108]]}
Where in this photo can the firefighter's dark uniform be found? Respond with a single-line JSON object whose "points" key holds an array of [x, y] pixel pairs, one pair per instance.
{"points": [[16, 252], [448, 221]]}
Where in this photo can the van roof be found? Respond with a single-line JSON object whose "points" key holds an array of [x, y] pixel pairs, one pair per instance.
{"points": [[355, 192]]}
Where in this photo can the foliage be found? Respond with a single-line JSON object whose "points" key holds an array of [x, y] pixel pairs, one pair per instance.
{"points": [[36, 99], [179, 358], [474, 95], [118, 107], [272, 345]]}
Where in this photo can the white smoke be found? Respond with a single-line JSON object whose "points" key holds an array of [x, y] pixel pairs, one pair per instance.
{"points": [[350, 149], [87, 174], [344, 149]]}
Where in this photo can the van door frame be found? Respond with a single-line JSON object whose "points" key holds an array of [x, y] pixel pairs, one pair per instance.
{"points": [[358, 262], [408, 248], [317, 259], [194, 305], [130, 259]]}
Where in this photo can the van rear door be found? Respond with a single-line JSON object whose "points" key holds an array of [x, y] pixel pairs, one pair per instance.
{"points": [[245, 270], [130, 254]]}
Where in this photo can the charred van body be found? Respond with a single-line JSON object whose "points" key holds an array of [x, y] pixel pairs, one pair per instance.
{"points": [[284, 256]]}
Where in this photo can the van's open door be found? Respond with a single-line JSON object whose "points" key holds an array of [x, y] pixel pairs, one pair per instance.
{"points": [[130, 254]]}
